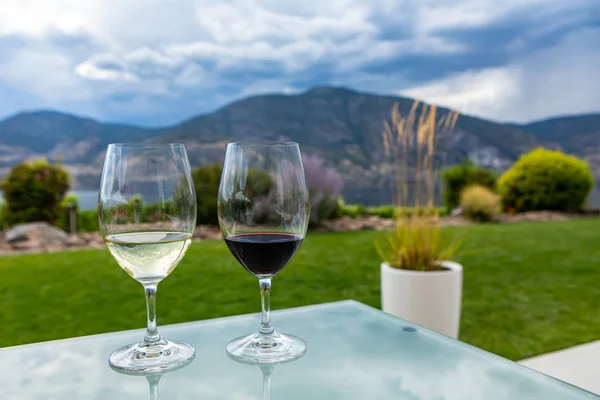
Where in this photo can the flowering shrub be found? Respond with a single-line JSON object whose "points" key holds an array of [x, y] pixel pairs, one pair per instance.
{"points": [[206, 181], [324, 187]]}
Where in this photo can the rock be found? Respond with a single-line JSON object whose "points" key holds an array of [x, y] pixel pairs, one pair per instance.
{"points": [[347, 224], [457, 212], [35, 235], [75, 240], [25, 245], [92, 238], [207, 232], [541, 216]]}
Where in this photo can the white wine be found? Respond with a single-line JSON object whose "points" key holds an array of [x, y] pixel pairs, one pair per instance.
{"points": [[148, 256]]}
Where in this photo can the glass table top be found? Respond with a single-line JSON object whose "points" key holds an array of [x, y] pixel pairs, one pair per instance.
{"points": [[354, 352]]}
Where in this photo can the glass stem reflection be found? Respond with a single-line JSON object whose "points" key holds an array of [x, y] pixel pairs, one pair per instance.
{"points": [[151, 335], [265, 300], [153, 383], [267, 371]]}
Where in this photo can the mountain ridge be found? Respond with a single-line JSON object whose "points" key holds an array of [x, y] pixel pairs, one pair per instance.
{"points": [[313, 89], [341, 124]]}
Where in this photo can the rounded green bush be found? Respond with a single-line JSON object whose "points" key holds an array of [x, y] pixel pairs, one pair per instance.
{"points": [[456, 179], [479, 203], [33, 192], [546, 180]]}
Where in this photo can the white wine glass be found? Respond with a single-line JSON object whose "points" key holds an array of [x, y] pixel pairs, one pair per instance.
{"points": [[147, 216]]}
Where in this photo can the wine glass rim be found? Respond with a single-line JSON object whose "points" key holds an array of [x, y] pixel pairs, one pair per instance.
{"points": [[263, 143], [146, 145]]}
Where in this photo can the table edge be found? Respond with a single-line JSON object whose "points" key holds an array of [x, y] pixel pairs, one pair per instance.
{"points": [[199, 322]]}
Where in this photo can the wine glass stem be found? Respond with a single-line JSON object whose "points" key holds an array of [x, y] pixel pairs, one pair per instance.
{"points": [[151, 335], [265, 300]]}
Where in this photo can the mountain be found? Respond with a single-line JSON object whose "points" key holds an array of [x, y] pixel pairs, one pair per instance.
{"points": [[77, 141], [342, 125], [345, 124], [345, 127], [576, 134]]}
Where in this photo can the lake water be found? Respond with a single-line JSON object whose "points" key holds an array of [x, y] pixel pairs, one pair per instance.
{"points": [[88, 199]]}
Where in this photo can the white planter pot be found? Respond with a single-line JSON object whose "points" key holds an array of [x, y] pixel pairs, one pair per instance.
{"points": [[431, 299]]}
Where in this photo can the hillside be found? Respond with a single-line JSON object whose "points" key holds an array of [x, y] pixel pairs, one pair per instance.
{"points": [[345, 124], [79, 142], [342, 125], [577, 134]]}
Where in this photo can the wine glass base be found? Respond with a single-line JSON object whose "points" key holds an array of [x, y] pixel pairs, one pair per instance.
{"points": [[266, 349], [142, 357]]}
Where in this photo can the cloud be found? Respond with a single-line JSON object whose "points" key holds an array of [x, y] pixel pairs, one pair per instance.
{"points": [[41, 72], [248, 21], [36, 18], [558, 80], [440, 15], [474, 92], [160, 62], [105, 68]]}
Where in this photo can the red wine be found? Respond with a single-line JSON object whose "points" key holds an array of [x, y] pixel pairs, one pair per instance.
{"points": [[263, 254]]}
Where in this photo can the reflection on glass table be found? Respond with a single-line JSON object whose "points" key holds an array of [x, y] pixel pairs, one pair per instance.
{"points": [[153, 377], [354, 352], [267, 370]]}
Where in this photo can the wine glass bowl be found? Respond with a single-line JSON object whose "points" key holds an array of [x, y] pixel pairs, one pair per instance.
{"points": [[263, 214], [147, 216]]}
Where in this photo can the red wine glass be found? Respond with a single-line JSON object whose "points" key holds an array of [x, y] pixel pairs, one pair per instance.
{"points": [[263, 214]]}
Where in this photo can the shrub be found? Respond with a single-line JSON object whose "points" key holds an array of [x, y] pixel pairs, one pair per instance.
{"points": [[479, 203], [352, 210], [416, 243], [324, 187], [410, 141], [386, 212], [546, 180], [33, 192], [459, 177], [1, 218], [87, 221], [68, 203], [137, 208], [361, 210], [206, 181]]}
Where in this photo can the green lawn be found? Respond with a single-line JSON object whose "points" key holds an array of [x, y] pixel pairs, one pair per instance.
{"points": [[529, 288]]}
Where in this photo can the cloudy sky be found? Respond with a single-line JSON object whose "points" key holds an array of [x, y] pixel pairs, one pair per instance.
{"points": [[156, 62]]}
